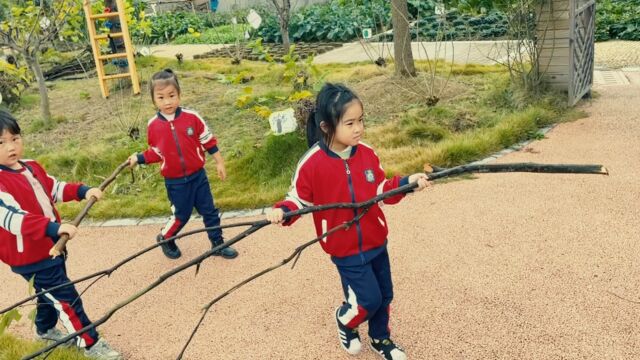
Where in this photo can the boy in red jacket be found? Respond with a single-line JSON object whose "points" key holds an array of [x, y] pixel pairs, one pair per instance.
{"points": [[29, 227]]}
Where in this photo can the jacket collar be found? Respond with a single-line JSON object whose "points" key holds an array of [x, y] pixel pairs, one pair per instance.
{"points": [[332, 154], [178, 111], [6, 168]]}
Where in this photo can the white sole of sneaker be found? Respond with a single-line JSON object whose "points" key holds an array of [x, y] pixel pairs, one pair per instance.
{"points": [[382, 355], [352, 351]]}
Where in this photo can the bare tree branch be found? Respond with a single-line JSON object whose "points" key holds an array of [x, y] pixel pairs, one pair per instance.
{"points": [[295, 255], [441, 173]]}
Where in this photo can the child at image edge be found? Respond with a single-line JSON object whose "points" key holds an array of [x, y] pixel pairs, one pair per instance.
{"points": [[29, 227], [340, 168], [177, 138]]}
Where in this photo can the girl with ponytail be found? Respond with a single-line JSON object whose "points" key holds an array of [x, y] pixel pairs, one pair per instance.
{"points": [[338, 167]]}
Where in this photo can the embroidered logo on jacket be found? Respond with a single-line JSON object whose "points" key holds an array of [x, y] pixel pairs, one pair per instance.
{"points": [[368, 174], [190, 131]]}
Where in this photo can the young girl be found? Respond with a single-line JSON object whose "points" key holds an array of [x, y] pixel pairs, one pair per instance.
{"points": [[339, 168], [178, 137]]}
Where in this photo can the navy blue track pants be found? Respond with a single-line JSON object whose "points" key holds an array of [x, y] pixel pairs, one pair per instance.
{"points": [[368, 291], [63, 304], [184, 196]]}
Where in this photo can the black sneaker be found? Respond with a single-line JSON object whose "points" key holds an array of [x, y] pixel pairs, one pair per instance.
{"points": [[349, 338], [388, 350], [227, 253], [170, 249]]}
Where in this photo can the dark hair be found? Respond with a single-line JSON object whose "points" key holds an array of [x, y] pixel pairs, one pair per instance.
{"points": [[163, 78], [9, 123], [330, 107]]}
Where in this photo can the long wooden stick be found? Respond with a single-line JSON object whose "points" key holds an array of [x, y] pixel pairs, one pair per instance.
{"points": [[517, 167], [60, 246], [199, 259], [438, 173]]}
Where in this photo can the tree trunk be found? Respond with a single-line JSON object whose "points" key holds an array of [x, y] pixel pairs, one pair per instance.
{"points": [[284, 30], [34, 64], [402, 39]]}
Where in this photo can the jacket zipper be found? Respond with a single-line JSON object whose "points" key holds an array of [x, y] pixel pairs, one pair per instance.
{"points": [[175, 137], [44, 189], [355, 211]]}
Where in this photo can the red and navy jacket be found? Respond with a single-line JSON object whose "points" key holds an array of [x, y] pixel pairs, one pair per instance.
{"points": [[322, 177], [179, 144], [26, 233]]}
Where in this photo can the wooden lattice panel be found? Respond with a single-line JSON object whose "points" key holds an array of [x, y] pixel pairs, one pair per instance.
{"points": [[582, 49]]}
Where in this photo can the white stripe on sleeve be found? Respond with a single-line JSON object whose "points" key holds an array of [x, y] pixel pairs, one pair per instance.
{"points": [[11, 215], [57, 191]]}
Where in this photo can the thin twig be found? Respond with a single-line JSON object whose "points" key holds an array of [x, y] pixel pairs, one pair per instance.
{"points": [[622, 298]]}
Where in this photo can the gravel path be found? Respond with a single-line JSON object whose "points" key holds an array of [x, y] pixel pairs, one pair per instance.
{"points": [[505, 266], [617, 54]]}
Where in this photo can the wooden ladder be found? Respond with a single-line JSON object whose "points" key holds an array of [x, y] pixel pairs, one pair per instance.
{"points": [[98, 57]]}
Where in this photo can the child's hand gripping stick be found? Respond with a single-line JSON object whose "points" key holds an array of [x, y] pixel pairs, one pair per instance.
{"points": [[60, 246]]}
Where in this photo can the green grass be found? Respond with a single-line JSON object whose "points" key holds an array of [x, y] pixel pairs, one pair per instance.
{"points": [[223, 34], [478, 113], [12, 348]]}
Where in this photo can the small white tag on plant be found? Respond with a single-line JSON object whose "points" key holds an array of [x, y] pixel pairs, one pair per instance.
{"points": [[283, 122]]}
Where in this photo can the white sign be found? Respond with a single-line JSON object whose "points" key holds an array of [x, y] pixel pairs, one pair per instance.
{"points": [[366, 33], [254, 19], [283, 122]]}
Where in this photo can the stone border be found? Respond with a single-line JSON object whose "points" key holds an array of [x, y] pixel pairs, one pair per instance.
{"points": [[262, 211]]}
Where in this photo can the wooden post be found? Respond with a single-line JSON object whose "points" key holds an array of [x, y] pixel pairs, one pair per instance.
{"points": [[566, 32]]}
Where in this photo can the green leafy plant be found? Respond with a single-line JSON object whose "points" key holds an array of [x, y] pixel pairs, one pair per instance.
{"points": [[223, 34], [13, 82], [618, 20], [332, 21], [167, 26]]}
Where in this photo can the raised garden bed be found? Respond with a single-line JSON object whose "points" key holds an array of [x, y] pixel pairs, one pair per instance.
{"points": [[304, 50]]}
